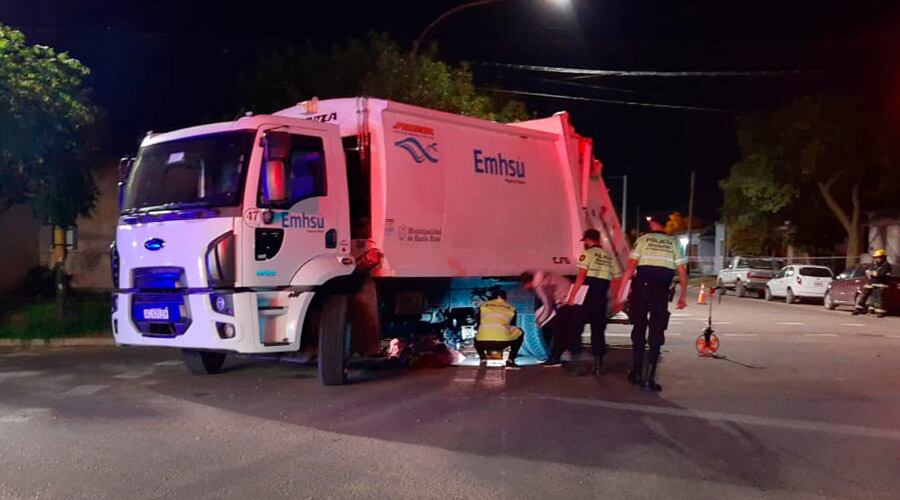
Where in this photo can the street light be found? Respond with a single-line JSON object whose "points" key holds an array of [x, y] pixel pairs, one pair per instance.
{"points": [[562, 4]]}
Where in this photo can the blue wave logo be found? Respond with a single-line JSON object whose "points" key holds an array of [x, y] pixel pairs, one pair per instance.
{"points": [[418, 152]]}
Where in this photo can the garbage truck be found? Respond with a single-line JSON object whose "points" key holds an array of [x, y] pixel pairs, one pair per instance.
{"points": [[314, 231]]}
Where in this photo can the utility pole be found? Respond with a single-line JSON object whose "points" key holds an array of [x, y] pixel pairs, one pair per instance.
{"points": [[624, 204], [637, 220], [690, 221]]}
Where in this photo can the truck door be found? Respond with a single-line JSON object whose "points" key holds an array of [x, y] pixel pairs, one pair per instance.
{"points": [[309, 219]]}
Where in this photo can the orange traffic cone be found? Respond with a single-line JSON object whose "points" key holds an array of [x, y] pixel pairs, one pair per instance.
{"points": [[701, 299]]}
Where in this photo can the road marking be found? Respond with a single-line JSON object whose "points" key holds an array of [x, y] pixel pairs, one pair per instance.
{"points": [[21, 415], [618, 335], [790, 323], [20, 374], [852, 324], [168, 363], [85, 390], [134, 375], [820, 334], [714, 416], [679, 315]]}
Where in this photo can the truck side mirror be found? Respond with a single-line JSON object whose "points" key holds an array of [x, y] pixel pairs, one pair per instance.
{"points": [[125, 164], [277, 147]]}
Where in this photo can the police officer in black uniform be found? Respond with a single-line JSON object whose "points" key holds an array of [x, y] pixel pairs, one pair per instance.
{"points": [[654, 261]]}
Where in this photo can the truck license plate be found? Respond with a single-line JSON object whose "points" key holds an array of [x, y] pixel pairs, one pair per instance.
{"points": [[156, 313], [818, 284]]}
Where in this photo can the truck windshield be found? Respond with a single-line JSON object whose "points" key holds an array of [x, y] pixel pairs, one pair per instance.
{"points": [[203, 171]]}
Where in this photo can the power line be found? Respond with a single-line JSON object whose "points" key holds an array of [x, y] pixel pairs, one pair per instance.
{"points": [[627, 73], [610, 101]]}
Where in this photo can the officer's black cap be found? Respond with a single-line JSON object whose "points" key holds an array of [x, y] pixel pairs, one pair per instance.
{"points": [[591, 234]]}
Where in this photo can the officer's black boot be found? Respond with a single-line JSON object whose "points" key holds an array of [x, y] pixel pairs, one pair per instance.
{"points": [[650, 378], [598, 364], [634, 374], [650, 371]]}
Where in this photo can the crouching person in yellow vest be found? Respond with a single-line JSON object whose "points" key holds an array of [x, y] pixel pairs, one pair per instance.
{"points": [[497, 330]]}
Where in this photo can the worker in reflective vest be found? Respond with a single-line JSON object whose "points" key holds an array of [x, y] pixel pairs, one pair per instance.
{"points": [[596, 269], [653, 263], [496, 329]]}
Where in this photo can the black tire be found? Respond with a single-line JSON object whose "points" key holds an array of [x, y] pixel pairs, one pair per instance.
{"points": [[334, 340], [789, 296], [767, 294], [739, 289], [827, 302], [203, 362]]}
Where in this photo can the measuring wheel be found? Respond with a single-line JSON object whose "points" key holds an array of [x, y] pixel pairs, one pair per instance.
{"points": [[707, 343]]}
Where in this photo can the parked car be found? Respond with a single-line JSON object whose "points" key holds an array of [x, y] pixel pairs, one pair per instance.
{"points": [[797, 281], [743, 274], [847, 286]]}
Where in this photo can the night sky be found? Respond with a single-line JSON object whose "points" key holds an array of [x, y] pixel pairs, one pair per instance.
{"points": [[168, 64]]}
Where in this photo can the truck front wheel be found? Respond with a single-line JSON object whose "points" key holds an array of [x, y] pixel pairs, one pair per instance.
{"points": [[334, 340], [203, 362]]}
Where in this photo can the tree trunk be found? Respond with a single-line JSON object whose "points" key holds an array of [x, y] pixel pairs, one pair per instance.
{"points": [[59, 275], [850, 222], [59, 271]]}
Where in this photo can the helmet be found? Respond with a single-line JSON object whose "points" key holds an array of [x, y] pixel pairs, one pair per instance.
{"points": [[878, 253]]}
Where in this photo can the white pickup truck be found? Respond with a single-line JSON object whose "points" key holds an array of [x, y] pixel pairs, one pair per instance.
{"points": [[745, 273]]}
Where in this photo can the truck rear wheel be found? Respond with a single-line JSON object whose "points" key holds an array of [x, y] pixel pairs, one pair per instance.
{"points": [[739, 289], [334, 340], [203, 362]]}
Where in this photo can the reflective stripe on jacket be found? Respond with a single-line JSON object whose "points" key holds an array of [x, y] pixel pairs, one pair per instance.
{"points": [[599, 264], [495, 319], [659, 250]]}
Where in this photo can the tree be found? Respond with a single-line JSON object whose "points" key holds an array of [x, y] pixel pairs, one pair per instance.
{"points": [[375, 66], [831, 146], [676, 223], [45, 114]]}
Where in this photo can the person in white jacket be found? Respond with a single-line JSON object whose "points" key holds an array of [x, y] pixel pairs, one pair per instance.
{"points": [[564, 321]]}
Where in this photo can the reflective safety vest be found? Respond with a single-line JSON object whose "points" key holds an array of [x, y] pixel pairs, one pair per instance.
{"points": [[658, 250], [494, 323], [599, 264]]}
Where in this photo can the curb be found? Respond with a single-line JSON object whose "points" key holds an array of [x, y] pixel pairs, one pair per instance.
{"points": [[58, 342]]}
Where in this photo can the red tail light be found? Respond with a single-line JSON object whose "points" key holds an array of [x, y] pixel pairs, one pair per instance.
{"points": [[799, 281]]}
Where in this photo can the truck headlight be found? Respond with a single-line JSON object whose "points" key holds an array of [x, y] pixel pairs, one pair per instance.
{"points": [[225, 330], [220, 261], [222, 303], [114, 264]]}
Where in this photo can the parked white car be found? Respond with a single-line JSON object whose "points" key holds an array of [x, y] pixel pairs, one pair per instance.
{"points": [[799, 281]]}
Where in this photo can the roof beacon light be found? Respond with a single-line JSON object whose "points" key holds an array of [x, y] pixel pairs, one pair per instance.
{"points": [[312, 105]]}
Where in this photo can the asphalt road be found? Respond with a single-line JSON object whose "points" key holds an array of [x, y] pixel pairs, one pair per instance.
{"points": [[801, 403]]}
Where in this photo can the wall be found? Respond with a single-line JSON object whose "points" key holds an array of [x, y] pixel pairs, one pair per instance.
{"points": [[20, 250], [89, 262], [886, 234]]}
